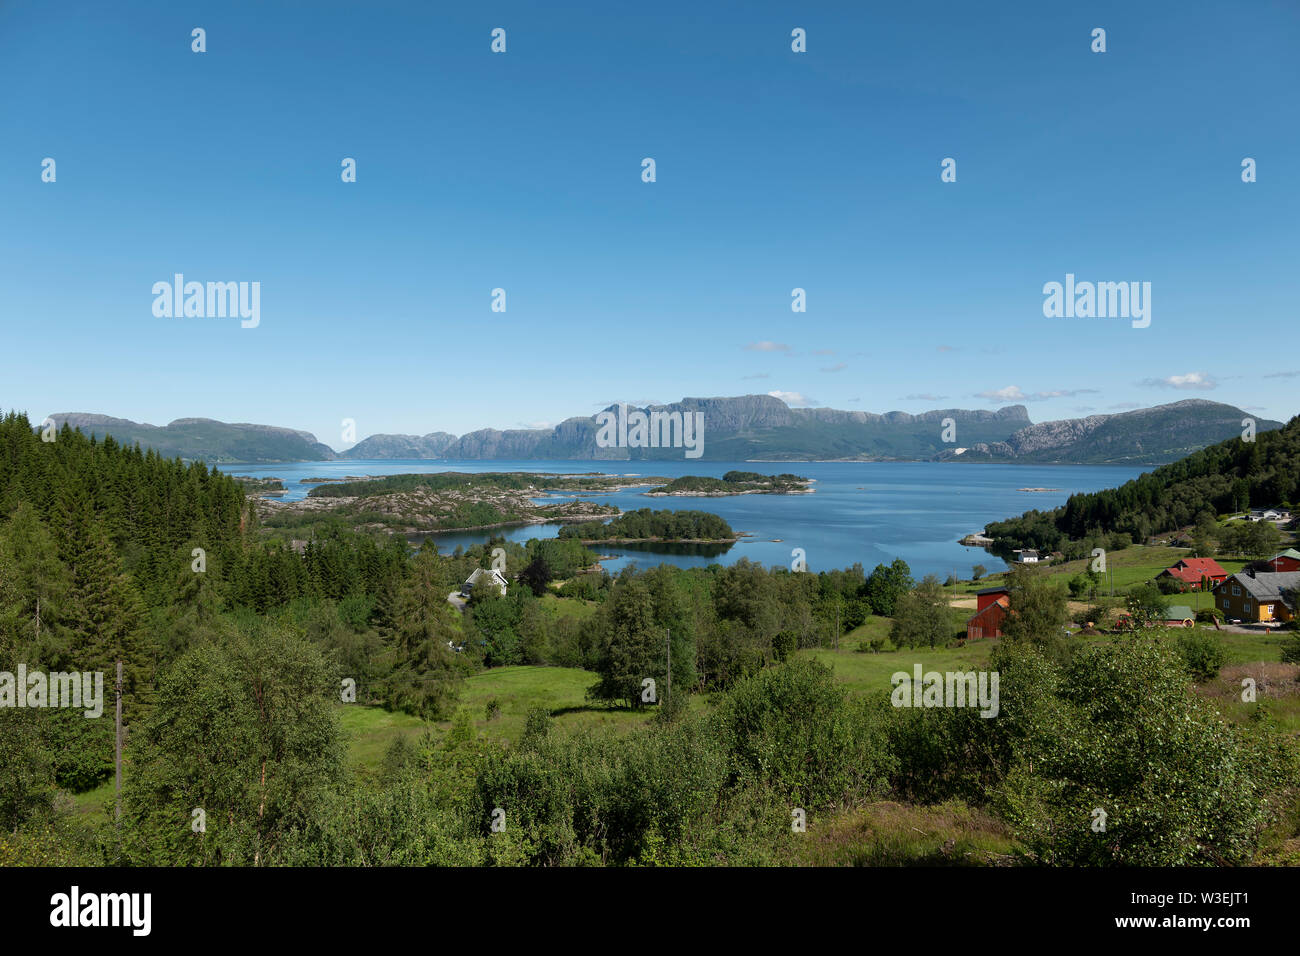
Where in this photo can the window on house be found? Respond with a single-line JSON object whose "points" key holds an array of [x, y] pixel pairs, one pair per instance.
{"points": [[1225, 604], [1236, 591]]}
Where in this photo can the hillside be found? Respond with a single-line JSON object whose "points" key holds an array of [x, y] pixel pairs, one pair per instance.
{"points": [[204, 438], [432, 445], [1230, 476], [1145, 436]]}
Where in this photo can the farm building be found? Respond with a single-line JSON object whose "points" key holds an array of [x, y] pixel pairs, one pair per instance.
{"points": [[1180, 615], [487, 576], [1276, 515], [1191, 571], [1259, 595], [1288, 560], [990, 611], [1026, 556]]}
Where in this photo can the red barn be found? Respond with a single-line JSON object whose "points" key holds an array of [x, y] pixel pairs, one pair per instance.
{"points": [[1288, 560], [990, 611], [1192, 570]]}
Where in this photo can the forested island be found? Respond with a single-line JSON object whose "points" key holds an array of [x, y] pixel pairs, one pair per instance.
{"points": [[734, 483], [646, 525]]}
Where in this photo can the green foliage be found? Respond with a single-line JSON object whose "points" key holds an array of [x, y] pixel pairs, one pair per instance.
{"points": [[644, 524], [1202, 651], [244, 729], [1134, 742], [1146, 605], [1037, 612], [921, 618], [886, 584], [793, 729]]}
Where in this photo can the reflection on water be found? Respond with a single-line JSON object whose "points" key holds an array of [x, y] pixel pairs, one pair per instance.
{"points": [[675, 548]]}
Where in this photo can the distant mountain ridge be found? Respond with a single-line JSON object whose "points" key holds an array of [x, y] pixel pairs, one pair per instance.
{"points": [[1143, 436], [205, 438], [747, 427]]}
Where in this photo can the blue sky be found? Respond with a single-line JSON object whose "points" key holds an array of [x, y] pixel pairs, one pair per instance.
{"points": [[522, 171]]}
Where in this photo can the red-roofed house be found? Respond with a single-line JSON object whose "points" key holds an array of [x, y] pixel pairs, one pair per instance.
{"points": [[1191, 571], [990, 611]]}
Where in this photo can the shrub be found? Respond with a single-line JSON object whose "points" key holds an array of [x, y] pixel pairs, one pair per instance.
{"points": [[794, 729], [1179, 783], [1202, 652]]}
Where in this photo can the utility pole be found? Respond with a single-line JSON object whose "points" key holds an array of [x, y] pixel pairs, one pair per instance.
{"points": [[118, 746]]}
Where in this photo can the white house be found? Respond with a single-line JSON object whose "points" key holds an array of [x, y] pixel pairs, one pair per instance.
{"points": [[1269, 514], [491, 575], [1026, 556]]}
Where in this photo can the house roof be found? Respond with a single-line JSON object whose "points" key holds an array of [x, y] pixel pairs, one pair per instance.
{"points": [[1288, 553], [994, 590], [492, 572], [1193, 569], [1000, 604], [1179, 612], [1270, 585]]}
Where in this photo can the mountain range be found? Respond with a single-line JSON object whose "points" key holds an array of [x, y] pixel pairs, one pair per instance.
{"points": [[747, 427]]}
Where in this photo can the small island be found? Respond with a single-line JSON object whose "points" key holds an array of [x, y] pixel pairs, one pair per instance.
{"points": [[644, 525], [261, 487], [733, 483]]}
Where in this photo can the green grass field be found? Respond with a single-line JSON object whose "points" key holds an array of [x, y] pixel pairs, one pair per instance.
{"points": [[517, 690], [1133, 565]]}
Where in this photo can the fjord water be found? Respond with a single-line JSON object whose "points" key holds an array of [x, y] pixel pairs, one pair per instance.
{"points": [[859, 512]]}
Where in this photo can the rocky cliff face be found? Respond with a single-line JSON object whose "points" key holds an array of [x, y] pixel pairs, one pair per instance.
{"points": [[1144, 436]]}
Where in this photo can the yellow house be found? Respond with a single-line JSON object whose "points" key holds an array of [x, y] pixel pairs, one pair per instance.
{"points": [[1259, 595]]}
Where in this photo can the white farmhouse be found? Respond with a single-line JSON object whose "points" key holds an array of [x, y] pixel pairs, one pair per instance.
{"points": [[484, 575]]}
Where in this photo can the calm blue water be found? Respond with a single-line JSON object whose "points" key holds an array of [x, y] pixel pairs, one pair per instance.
{"points": [[860, 512]]}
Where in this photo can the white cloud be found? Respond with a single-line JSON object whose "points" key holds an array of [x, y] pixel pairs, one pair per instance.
{"points": [[1192, 380], [758, 375], [837, 367], [923, 397], [767, 347], [1013, 393], [793, 399]]}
